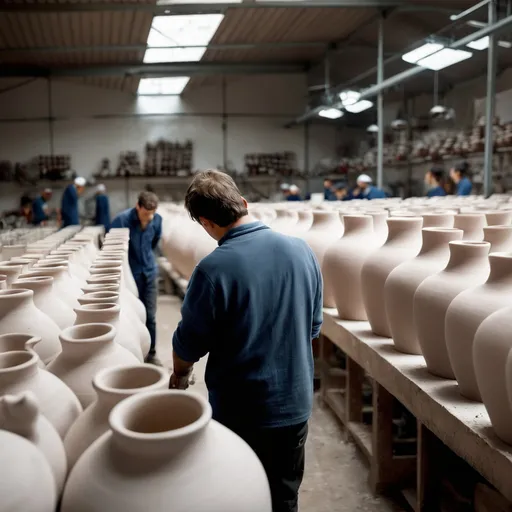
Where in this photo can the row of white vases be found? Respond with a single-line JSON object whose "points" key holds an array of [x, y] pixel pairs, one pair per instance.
{"points": [[435, 276], [72, 341]]}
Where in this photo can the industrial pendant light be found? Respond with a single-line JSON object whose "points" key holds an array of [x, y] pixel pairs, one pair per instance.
{"points": [[437, 111]]}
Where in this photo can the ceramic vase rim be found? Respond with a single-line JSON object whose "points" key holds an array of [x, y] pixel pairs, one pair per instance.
{"points": [[78, 334]]}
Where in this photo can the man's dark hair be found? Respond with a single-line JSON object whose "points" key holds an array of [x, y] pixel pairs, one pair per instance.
{"points": [[327, 179], [462, 168], [148, 200], [215, 196], [438, 173]]}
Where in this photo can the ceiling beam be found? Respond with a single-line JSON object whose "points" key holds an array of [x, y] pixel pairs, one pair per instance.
{"points": [[156, 70], [212, 8]]}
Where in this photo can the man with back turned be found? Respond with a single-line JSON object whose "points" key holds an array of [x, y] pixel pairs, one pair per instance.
{"points": [[254, 305]]}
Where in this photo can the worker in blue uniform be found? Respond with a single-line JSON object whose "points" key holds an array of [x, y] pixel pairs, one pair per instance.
{"points": [[434, 181], [102, 217], [329, 194], [254, 305], [365, 189], [145, 227], [294, 194], [69, 203], [40, 209], [459, 175]]}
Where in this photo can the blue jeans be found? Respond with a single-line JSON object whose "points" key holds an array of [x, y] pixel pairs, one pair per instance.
{"points": [[148, 295]]}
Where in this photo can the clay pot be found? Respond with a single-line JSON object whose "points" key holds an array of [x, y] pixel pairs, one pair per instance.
{"points": [[305, 221], [286, 220], [19, 371], [468, 267], [76, 271], [18, 313], [109, 313], [325, 230], [112, 385], [472, 224], [21, 415], [403, 243], [47, 299], [86, 349], [27, 480], [72, 281], [491, 354], [380, 225], [11, 271], [499, 218], [174, 453], [465, 315], [343, 263], [12, 251], [14, 342], [438, 220], [404, 280], [500, 238], [3, 282]]}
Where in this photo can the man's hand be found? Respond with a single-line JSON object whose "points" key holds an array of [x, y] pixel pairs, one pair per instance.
{"points": [[179, 382]]}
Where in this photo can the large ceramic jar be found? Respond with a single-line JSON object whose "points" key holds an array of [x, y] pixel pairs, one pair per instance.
{"points": [[14, 342], [325, 230], [403, 281], [21, 414], [18, 313], [19, 371], [498, 217], [403, 243], [468, 267], [500, 238], [472, 224], [173, 453], [27, 480], [343, 263], [491, 354], [465, 315], [112, 385], [86, 349]]}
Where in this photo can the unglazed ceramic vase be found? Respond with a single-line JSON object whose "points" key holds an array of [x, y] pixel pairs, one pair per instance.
{"points": [[404, 280], [71, 280], [19, 372], [438, 220], [11, 271], [47, 299], [343, 263], [491, 353], [305, 222], [468, 267], [325, 230], [111, 385], [163, 448], [500, 238], [109, 313], [3, 282], [465, 315], [498, 217], [26, 479], [472, 224], [403, 243], [14, 342], [76, 271], [20, 414], [86, 349], [12, 251], [286, 220], [18, 313], [380, 225]]}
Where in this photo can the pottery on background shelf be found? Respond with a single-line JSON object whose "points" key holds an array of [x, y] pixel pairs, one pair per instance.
{"points": [[404, 280], [111, 385], [86, 349], [163, 447], [403, 243], [468, 266], [19, 372], [472, 224], [500, 238]]}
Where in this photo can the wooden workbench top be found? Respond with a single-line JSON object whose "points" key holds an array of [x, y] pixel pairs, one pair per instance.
{"points": [[464, 426]]}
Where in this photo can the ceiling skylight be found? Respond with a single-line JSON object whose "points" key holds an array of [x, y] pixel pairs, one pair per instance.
{"points": [[162, 86], [172, 32]]}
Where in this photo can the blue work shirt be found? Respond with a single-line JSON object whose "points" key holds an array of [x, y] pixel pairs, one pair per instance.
{"points": [[329, 195], [254, 304], [39, 209], [142, 242], [294, 198], [436, 191], [102, 217], [464, 187], [371, 192], [69, 207]]}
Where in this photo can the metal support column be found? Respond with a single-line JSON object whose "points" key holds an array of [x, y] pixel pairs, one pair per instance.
{"points": [[380, 106], [50, 117], [490, 102], [224, 125]]}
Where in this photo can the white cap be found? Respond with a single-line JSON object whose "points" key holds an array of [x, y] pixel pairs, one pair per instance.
{"points": [[80, 182], [294, 188], [101, 188], [285, 186], [47, 190], [364, 178]]}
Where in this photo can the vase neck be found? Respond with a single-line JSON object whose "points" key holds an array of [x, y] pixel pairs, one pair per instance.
{"points": [[404, 230], [98, 313], [357, 224], [325, 220], [87, 341], [501, 267], [17, 367], [497, 235], [37, 285], [14, 299], [437, 239], [471, 254]]}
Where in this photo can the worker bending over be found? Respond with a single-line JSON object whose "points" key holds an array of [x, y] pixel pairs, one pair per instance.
{"points": [[257, 327]]}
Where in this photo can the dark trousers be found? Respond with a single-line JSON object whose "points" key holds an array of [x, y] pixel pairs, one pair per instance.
{"points": [[148, 295], [282, 453]]}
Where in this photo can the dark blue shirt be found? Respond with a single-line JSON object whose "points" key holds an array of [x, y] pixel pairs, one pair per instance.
{"points": [[102, 211], [294, 198], [39, 211], [371, 193], [142, 242], [69, 207], [464, 187], [254, 304], [436, 191], [329, 195]]}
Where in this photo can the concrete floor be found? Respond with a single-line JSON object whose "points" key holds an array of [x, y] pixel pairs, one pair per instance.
{"points": [[336, 476]]}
